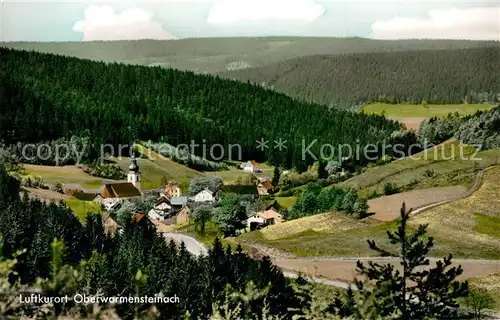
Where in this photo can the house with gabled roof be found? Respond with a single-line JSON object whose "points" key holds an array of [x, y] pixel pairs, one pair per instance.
{"points": [[265, 188], [179, 203], [251, 166], [162, 209], [171, 190], [115, 193], [204, 195], [264, 218]]}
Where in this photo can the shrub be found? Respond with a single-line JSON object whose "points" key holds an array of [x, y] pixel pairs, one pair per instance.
{"points": [[106, 171], [390, 188]]}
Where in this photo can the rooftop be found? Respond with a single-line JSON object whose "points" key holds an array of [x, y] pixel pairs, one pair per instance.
{"points": [[121, 190]]}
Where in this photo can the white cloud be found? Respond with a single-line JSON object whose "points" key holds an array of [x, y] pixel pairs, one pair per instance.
{"points": [[481, 23], [233, 11], [102, 23]]}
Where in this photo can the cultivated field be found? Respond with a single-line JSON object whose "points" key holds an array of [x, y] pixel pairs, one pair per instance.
{"points": [[468, 228], [63, 174], [387, 208], [412, 115], [153, 172], [326, 222], [80, 207], [427, 111]]}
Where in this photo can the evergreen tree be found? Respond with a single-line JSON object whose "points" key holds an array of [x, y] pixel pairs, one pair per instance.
{"points": [[412, 291], [276, 177], [322, 173]]}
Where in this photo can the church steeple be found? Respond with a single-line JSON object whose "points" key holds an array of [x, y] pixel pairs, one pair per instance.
{"points": [[134, 174]]}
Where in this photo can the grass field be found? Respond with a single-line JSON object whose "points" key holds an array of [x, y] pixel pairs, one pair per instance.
{"points": [[62, 174], [491, 283], [230, 176], [454, 226], [80, 205], [153, 171], [412, 115], [449, 164], [81, 208], [431, 110]]}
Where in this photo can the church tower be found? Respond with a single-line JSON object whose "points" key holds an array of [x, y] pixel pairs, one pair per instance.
{"points": [[134, 174]]}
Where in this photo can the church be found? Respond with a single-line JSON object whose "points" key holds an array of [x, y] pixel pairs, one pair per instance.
{"points": [[115, 193]]}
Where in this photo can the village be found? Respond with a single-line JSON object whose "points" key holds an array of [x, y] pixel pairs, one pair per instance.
{"points": [[173, 208]]}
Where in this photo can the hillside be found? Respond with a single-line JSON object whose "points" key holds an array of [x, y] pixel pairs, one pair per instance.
{"points": [[449, 164], [222, 54], [116, 104], [435, 76], [468, 228]]}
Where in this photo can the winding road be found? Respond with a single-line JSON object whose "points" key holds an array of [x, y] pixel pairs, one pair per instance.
{"points": [[340, 271], [192, 245]]}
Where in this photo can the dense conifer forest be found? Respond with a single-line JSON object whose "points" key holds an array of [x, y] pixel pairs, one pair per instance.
{"points": [[435, 76], [114, 265], [45, 97]]}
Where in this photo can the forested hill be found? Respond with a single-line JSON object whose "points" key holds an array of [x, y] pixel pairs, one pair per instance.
{"points": [[436, 76], [222, 54], [44, 97]]}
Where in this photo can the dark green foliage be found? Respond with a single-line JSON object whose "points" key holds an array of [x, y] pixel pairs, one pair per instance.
{"points": [[58, 152], [482, 130], [315, 199], [135, 262], [106, 171], [198, 184], [390, 189], [413, 291], [435, 130], [230, 214], [200, 215], [119, 104], [436, 76], [322, 173], [478, 301], [276, 177]]}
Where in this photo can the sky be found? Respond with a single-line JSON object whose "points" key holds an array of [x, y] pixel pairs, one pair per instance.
{"points": [[84, 20]]}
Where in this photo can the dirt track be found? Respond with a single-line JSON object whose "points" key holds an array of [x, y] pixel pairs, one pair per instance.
{"points": [[387, 208], [344, 269]]}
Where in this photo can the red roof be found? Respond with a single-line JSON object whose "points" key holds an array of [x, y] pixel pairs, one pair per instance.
{"points": [[255, 164], [120, 190], [267, 185], [137, 217]]}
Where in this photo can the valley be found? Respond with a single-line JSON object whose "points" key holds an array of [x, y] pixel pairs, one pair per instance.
{"points": [[168, 208]]}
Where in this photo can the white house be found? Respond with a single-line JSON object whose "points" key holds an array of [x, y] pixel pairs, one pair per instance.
{"points": [[204, 196], [161, 211], [251, 166], [264, 218]]}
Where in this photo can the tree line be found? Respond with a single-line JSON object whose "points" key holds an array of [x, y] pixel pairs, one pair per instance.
{"points": [[46, 97], [481, 129], [315, 199]]}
